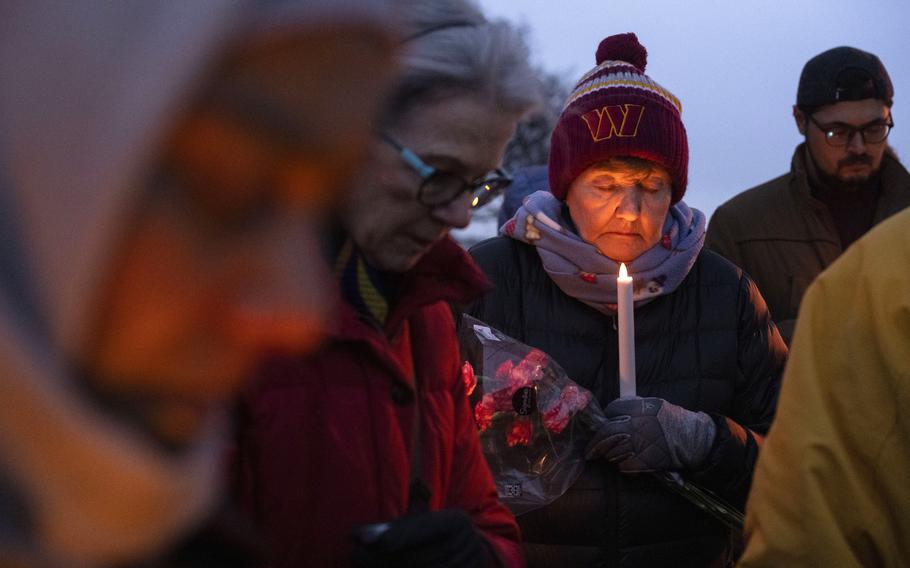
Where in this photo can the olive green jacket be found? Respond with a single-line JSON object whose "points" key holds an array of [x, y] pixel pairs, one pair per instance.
{"points": [[783, 237]]}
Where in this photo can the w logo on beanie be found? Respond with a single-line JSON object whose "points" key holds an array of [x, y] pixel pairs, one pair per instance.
{"points": [[621, 120]]}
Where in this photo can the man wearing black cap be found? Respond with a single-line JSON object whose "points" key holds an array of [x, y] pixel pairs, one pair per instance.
{"points": [[843, 180]]}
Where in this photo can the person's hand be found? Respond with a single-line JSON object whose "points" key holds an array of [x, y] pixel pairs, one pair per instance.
{"points": [[651, 434], [438, 538]]}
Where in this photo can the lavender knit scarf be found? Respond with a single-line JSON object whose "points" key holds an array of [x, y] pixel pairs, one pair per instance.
{"points": [[583, 272]]}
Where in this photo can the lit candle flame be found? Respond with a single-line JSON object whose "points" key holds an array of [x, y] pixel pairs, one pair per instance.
{"points": [[623, 273]]}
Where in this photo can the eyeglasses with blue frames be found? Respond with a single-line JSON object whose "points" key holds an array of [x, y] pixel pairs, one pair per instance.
{"points": [[839, 134], [440, 188]]}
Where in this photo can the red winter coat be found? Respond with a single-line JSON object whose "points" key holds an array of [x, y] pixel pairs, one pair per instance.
{"points": [[324, 442]]}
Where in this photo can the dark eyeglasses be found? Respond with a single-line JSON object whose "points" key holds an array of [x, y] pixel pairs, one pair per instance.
{"points": [[440, 188], [839, 134]]}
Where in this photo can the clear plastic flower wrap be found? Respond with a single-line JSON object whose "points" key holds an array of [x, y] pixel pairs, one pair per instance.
{"points": [[534, 421]]}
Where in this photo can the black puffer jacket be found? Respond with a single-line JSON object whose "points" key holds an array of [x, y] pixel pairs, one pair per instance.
{"points": [[710, 345]]}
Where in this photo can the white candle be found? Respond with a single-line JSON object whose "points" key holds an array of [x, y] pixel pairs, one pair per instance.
{"points": [[626, 326]]}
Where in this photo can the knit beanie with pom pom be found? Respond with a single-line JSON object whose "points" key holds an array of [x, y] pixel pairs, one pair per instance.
{"points": [[615, 110]]}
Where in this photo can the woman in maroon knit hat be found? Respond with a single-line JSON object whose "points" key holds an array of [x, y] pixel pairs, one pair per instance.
{"points": [[709, 358]]}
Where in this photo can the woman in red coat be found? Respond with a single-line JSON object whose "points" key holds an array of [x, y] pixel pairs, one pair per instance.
{"points": [[331, 463]]}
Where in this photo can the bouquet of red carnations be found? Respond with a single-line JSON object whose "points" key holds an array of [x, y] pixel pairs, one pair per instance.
{"points": [[534, 421]]}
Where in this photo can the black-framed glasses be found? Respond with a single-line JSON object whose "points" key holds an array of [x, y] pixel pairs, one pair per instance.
{"points": [[440, 188], [839, 134]]}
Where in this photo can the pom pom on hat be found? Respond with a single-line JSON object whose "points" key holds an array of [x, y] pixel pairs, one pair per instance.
{"points": [[615, 110], [623, 47]]}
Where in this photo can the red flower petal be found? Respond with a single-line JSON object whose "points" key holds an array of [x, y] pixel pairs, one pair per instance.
{"points": [[504, 370], [536, 356], [467, 375], [557, 418], [520, 432], [483, 412]]}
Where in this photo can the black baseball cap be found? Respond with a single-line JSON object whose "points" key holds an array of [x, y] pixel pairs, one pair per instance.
{"points": [[843, 74]]}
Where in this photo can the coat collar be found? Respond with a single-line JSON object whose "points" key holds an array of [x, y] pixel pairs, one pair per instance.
{"points": [[446, 273], [895, 193], [895, 183]]}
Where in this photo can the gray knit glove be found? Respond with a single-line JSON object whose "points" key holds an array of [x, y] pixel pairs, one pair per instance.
{"points": [[651, 434]]}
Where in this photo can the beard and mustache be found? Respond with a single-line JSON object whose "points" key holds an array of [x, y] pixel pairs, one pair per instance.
{"points": [[837, 182]]}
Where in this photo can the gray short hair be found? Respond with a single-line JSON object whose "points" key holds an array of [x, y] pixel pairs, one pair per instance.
{"points": [[452, 49]]}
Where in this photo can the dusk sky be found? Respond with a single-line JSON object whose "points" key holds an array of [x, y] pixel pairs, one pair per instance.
{"points": [[734, 65]]}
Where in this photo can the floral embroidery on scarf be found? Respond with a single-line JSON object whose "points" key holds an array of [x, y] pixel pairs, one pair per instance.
{"points": [[588, 276], [509, 228]]}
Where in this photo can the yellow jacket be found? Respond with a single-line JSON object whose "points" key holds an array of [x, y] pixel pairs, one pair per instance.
{"points": [[832, 484]]}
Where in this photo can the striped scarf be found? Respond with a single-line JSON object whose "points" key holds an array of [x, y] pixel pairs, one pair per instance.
{"points": [[361, 285]]}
